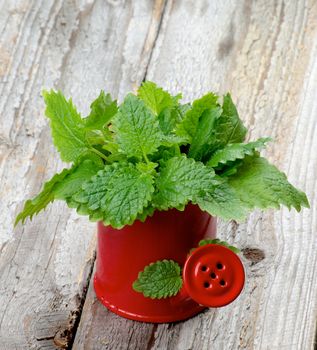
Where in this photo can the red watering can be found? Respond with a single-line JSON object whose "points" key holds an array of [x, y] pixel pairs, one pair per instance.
{"points": [[213, 275]]}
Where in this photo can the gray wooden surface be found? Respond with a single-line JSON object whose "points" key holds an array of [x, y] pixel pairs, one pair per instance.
{"points": [[265, 53]]}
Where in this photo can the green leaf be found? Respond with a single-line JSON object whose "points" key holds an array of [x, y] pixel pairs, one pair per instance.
{"points": [[187, 127], [169, 118], [182, 109], [218, 241], [113, 148], [228, 127], [182, 180], [40, 202], [147, 168], [136, 128], [117, 157], [164, 153], [60, 186], [120, 191], [200, 144], [236, 151], [260, 184], [158, 280], [73, 182], [230, 168], [82, 209], [93, 157], [224, 203], [163, 105], [148, 211], [102, 110], [67, 126], [173, 140], [95, 137], [155, 97]]}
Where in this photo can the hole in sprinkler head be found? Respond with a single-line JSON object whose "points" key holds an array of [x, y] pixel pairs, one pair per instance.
{"points": [[213, 275], [203, 268], [219, 266], [222, 283], [206, 284]]}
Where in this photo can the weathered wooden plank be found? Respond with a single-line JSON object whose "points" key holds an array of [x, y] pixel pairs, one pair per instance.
{"points": [[101, 329], [79, 47], [265, 53]]}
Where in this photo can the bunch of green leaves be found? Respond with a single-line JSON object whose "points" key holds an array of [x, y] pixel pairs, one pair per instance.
{"points": [[153, 152]]}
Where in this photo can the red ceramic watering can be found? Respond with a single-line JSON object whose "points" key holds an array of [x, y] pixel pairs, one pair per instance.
{"points": [[213, 275]]}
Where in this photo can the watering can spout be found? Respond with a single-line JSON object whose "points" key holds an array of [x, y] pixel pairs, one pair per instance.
{"points": [[213, 276]]}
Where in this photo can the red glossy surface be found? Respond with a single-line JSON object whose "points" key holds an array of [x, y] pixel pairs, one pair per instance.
{"points": [[213, 275], [122, 254]]}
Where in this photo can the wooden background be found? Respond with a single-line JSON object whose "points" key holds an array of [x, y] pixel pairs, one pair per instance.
{"points": [[265, 53]]}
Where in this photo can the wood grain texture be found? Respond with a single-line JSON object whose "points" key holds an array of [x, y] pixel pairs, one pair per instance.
{"points": [[101, 329], [265, 52], [79, 47]]}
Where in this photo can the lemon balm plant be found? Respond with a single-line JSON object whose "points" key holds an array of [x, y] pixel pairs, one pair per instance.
{"points": [[153, 153]]}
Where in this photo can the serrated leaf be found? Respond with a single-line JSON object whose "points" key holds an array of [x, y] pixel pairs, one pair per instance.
{"points": [[169, 118], [200, 145], [230, 168], [181, 180], [173, 140], [117, 157], [40, 202], [67, 126], [120, 191], [136, 128], [182, 109], [60, 186], [82, 209], [228, 127], [102, 110], [164, 153], [148, 211], [187, 127], [164, 106], [113, 148], [259, 184], [220, 242], [155, 97], [236, 151], [95, 137], [158, 280], [73, 182], [224, 203], [93, 157], [147, 168]]}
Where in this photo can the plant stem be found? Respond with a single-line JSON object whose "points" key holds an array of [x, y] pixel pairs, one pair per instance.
{"points": [[146, 158], [99, 153]]}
